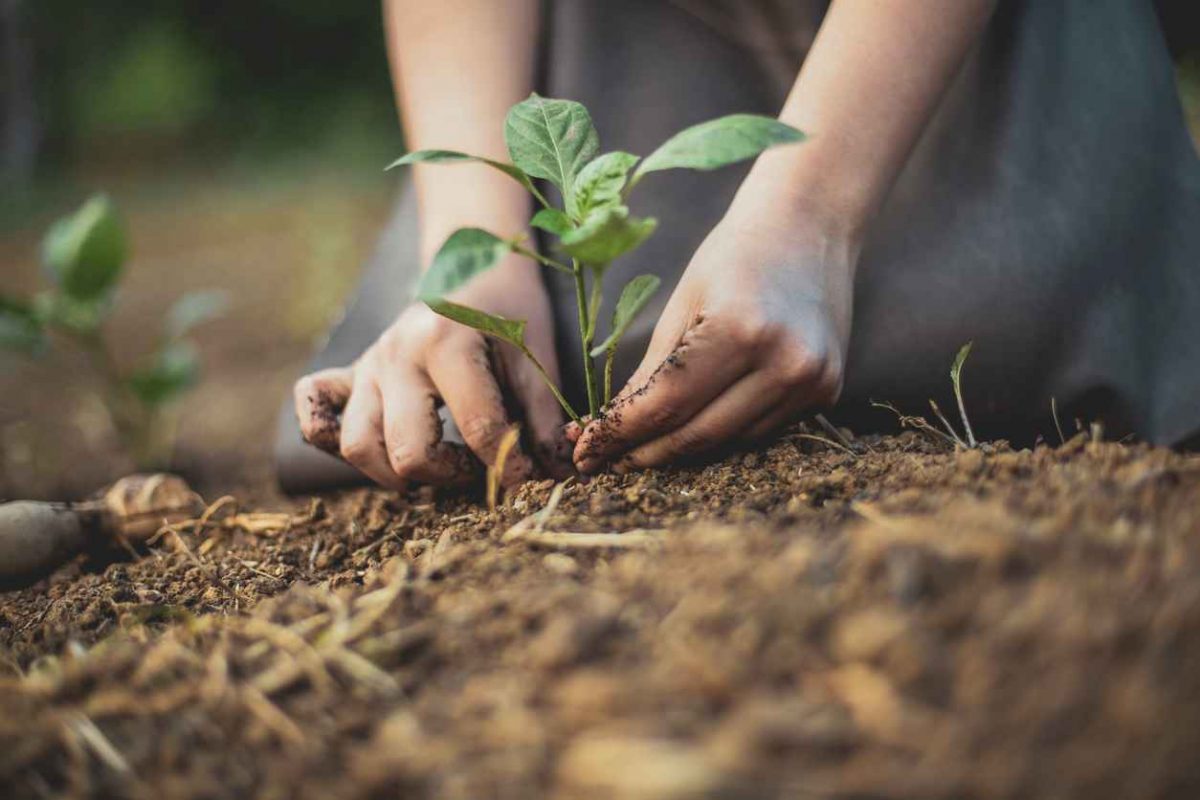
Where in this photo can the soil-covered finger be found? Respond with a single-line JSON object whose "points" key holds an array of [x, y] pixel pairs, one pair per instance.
{"points": [[720, 421], [413, 432], [463, 373], [320, 399], [699, 369], [362, 441]]}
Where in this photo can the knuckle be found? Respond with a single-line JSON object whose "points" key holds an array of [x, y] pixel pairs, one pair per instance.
{"points": [[356, 450], [482, 433], [801, 370], [303, 388], [688, 442], [752, 331], [664, 415], [406, 462]]}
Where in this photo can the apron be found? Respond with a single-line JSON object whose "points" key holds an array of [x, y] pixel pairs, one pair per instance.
{"points": [[1050, 213]]}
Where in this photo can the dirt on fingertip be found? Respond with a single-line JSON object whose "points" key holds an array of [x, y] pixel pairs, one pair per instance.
{"points": [[874, 617]]}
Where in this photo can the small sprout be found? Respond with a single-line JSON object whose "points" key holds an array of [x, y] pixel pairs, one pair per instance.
{"points": [[84, 254], [956, 379], [1057, 425], [951, 436], [937, 412], [495, 473], [555, 140]]}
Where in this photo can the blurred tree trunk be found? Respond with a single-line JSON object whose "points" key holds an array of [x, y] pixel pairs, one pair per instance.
{"points": [[20, 124]]}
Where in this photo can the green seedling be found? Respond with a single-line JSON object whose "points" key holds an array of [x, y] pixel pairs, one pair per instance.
{"points": [[956, 379], [555, 141], [951, 435], [83, 255]]}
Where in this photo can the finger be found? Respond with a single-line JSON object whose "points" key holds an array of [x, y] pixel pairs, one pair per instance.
{"points": [[319, 400], [412, 431], [816, 384], [774, 419], [696, 372], [462, 372], [362, 443], [720, 421]]}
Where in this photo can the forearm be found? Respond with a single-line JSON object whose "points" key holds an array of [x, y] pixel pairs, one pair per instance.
{"points": [[872, 79], [457, 67]]}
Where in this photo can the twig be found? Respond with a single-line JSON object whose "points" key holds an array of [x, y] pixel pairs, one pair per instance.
{"points": [[834, 432], [258, 571], [916, 423], [97, 742], [271, 715], [1057, 426], [389, 534], [636, 538], [828, 442], [551, 505], [953, 434]]}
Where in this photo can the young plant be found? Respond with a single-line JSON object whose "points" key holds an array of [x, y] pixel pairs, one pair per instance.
{"points": [[555, 141], [83, 256]]}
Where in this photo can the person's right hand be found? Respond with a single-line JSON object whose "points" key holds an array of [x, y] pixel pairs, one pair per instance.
{"points": [[380, 413]]}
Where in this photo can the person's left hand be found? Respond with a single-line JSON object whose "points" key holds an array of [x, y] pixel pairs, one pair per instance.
{"points": [[754, 334]]}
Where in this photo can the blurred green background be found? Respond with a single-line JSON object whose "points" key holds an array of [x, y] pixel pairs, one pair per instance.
{"points": [[200, 86], [243, 142]]}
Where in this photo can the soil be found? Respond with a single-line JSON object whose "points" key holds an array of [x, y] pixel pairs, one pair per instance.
{"points": [[890, 619]]}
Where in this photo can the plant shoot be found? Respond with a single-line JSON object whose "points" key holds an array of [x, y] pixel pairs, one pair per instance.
{"points": [[555, 141]]}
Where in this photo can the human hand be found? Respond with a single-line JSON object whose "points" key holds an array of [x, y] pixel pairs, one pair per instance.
{"points": [[380, 413], [755, 333]]}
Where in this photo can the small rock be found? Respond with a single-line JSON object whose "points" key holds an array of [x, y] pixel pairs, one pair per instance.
{"points": [[625, 767], [865, 635], [560, 563], [970, 462]]}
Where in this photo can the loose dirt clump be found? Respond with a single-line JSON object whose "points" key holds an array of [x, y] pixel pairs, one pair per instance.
{"points": [[887, 619]]}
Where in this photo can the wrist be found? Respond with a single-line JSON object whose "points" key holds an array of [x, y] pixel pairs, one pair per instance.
{"points": [[800, 184], [468, 198]]}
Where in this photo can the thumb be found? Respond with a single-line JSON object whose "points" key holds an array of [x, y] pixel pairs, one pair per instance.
{"points": [[668, 332]]}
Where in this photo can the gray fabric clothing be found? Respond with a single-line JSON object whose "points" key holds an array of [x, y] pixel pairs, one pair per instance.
{"points": [[1050, 213]]}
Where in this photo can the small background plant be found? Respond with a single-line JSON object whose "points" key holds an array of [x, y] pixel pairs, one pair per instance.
{"points": [[83, 257], [555, 140]]}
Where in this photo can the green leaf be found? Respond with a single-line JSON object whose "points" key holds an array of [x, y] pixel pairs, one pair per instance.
{"points": [[20, 327], [174, 369], [507, 330], [54, 307], [551, 220], [634, 297], [718, 143], [959, 360], [455, 157], [607, 234], [84, 252], [195, 308], [465, 254], [551, 139], [599, 184]]}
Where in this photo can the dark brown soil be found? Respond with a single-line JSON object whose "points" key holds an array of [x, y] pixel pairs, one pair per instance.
{"points": [[899, 621]]}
